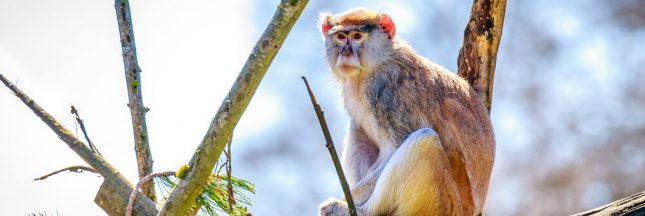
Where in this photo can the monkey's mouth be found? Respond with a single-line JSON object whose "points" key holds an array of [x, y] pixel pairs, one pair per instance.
{"points": [[345, 67], [348, 70], [348, 64]]}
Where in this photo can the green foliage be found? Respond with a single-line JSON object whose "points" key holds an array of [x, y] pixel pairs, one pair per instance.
{"points": [[214, 198]]}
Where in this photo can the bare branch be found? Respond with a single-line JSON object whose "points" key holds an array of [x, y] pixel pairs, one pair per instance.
{"points": [[80, 123], [229, 113], [332, 150], [133, 83], [113, 178], [229, 171], [76, 169], [220, 166], [133, 196], [478, 54], [632, 205]]}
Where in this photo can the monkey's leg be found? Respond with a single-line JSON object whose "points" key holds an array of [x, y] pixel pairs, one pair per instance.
{"points": [[416, 180]]}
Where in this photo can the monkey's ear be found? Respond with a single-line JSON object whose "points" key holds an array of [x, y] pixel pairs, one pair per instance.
{"points": [[387, 25], [324, 23], [324, 28]]}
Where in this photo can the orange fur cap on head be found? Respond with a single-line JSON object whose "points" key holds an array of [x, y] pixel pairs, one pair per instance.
{"points": [[357, 17]]}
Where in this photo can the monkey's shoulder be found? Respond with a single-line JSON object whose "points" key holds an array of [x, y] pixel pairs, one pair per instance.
{"points": [[409, 73]]}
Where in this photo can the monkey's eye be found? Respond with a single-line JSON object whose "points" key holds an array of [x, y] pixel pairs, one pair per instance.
{"points": [[357, 36], [341, 36]]}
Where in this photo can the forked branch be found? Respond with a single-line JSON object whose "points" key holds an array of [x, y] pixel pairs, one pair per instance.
{"points": [[147, 178], [113, 178]]}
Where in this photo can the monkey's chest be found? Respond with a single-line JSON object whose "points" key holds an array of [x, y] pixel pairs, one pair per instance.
{"points": [[386, 117], [362, 115]]}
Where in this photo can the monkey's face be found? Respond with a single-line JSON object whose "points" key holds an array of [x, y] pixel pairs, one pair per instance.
{"points": [[356, 41], [348, 45]]}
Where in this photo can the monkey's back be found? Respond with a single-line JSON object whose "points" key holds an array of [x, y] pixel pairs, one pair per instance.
{"points": [[409, 92]]}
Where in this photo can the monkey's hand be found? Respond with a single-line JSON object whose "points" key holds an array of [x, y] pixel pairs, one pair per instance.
{"points": [[334, 207]]}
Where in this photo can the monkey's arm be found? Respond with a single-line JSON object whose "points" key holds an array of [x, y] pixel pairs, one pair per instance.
{"points": [[364, 188], [359, 158], [361, 193]]}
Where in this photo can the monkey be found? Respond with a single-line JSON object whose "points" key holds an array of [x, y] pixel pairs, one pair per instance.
{"points": [[420, 141]]}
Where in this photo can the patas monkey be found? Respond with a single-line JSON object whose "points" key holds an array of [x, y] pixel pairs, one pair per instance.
{"points": [[420, 141]]}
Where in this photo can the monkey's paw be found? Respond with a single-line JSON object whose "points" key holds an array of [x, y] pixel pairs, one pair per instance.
{"points": [[334, 207]]}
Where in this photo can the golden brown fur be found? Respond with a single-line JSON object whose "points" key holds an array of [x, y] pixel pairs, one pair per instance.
{"points": [[397, 101]]}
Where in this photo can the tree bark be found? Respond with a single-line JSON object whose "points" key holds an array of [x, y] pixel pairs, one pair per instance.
{"points": [[476, 61], [135, 102], [229, 113]]}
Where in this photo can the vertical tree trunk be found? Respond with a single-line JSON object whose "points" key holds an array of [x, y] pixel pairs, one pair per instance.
{"points": [[476, 61]]}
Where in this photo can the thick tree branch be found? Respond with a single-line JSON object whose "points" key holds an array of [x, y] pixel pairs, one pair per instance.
{"points": [[135, 102], [632, 205], [113, 178], [478, 54], [229, 113], [76, 169], [113, 199]]}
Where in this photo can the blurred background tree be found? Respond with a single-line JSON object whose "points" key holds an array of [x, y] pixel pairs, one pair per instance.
{"points": [[568, 106]]}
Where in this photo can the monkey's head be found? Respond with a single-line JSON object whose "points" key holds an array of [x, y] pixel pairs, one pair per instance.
{"points": [[356, 41]]}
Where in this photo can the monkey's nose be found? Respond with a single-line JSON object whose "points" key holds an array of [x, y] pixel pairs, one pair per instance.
{"points": [[346, 51]]}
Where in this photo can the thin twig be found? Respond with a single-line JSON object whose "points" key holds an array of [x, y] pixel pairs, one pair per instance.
{"points": [[230, 111], [332, 150], [220, 166], [135, 102], [76, 169], [113, 177], [133, 195], [80, 123], [229, 170]]}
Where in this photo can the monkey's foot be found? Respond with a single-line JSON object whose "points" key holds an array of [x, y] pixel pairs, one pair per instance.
{"points": [[334, 207]]}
